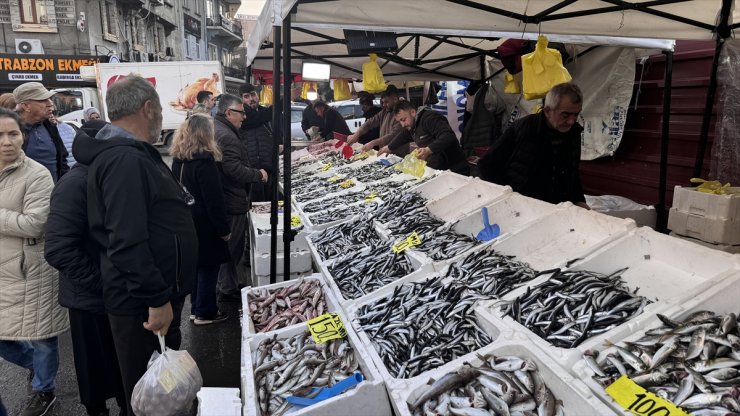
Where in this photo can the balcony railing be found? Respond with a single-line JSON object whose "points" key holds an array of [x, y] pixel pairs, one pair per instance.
{"points": [[227, 24]]}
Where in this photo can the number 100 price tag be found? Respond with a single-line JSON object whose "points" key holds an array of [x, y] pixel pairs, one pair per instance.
{"points": [[326, 327], [639, 401]]}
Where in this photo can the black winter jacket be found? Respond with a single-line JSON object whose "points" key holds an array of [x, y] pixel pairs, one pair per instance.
{"points": [[69, 247], [237, 175], [201, 177], [138, 214], [432, 130], [525, 159], [62, 166], [257, 136]]}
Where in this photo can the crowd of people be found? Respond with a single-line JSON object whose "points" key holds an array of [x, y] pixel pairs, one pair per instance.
{"points": [[74, 258]]}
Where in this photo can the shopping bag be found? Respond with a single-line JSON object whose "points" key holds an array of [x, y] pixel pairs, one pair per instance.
{"points": [[512, 85], [341, 90], [372, 76], [266, 95], [411, 165], [171, 381], [542, 70]]}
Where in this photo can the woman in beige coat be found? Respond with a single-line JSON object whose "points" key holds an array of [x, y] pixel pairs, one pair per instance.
{"points": [[30, 315]]}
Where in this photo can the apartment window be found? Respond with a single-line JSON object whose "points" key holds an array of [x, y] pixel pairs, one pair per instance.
{"points": [[32, 15], [160, 39], [192, 47], [33, 12], [210, 11], [108, 14], [198, 7]]}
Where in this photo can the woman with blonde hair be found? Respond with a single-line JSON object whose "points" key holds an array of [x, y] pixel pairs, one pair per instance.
{"points": [[195, 156]]}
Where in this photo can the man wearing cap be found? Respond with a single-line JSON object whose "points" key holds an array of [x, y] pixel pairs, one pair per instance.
{"points": [[43, 142]]}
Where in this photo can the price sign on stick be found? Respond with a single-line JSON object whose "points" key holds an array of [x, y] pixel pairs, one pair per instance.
{"points": [[295, 221], [412, 240], [326, 167], [334, 178], [371, 197], [639, 401], [326, 327], [348, 183]]}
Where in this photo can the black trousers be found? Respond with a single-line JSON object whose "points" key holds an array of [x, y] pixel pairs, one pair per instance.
{"points": [[96, 364], [135, 345]]}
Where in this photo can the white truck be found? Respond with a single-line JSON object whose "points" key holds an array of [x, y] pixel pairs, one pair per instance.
{"points": [[178, 84]]}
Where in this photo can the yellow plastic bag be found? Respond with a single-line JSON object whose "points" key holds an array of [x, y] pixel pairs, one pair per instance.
{"points": [[372, 76], [542, 70], [713, 187], [266, 95], [411, 165], [511, 85], [341, 90]]}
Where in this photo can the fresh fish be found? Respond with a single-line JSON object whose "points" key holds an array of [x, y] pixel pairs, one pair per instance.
{"points": [[289, 305]]}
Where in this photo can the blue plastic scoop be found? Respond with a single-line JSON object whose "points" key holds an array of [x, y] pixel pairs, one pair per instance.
{"points": [[489, 232], [327, 392]]}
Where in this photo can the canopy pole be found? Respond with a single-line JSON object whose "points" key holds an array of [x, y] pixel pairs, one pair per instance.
{"points": [[708, 108], [662, 220], [275, 167], [288, 233]]}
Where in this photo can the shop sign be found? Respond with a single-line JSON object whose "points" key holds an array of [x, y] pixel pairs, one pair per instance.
{"points": [[52, 70]]}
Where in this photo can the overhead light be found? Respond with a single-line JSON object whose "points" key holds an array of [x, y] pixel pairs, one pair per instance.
{"points": [[315, 71]]}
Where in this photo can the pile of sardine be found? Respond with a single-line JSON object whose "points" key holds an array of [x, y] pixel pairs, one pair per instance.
{"points": [[344, 238], [419, 221], [262, 208], [340, 212], [292, 367], [694, 363], [573, 306], [505, 385], [442, 245], [489, 274], [289, 305], [359, 272], [423, 325], [335, 201], [368, 173], [398, 205]]}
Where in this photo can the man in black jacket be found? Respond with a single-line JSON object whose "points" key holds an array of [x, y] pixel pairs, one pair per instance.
{"points": [[237, 178], [138, 214], [256, 134], [43, 142], [333, 122], [538, 155], [436, 142]]}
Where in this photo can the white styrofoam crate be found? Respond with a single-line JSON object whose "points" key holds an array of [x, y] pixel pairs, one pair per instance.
{"points": [[727, 248], [466, 199], [720, 298], [691, 201], [569, 233], [260, 243], [667, 271], [340, 217], [219, 401], [264, 280], [440, 185], [367, 398], [711, 230], [248, 325], [576, 397], [358, 186], [300, 261]]}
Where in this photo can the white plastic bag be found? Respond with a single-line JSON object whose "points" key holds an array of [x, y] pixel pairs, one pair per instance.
{"points": [[171, 381]]}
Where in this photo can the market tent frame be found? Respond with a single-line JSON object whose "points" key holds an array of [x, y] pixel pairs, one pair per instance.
{"points": [[473, 27]]}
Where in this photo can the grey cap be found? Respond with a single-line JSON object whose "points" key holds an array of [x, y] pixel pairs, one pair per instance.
{"points": [[31, 91]]}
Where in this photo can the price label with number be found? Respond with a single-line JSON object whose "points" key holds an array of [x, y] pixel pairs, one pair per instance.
{"points": [[334, 178], [371, 197], [326, 167], [295, 221], [639, 401], [412, 240], [361, 156], [326, 327], [348, 183]]}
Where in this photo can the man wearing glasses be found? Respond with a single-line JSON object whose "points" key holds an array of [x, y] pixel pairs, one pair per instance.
{"points": [[237, 177], [43, 143], [538, 155]]}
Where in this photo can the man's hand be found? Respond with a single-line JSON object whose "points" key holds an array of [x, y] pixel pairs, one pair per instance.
{"points": [[384, 150], [369, 146], [352, 139], [423, 153], [226, 237], [159, 319], [264, 175]]}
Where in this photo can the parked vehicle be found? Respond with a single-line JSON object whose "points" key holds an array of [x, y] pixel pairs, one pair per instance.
{"points": [[351, 111]]}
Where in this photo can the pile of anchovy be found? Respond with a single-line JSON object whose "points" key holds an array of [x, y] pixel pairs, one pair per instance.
{"points": [[505, 385], [292, 367], [423, 325], [398, 205], [490, 275], [573, 306], [359, 272], [344, 238], [289, 305], [368, 173], [694, 363], [319, 191], [419, 221], [348, 198], [340, 212], [443, 245]]}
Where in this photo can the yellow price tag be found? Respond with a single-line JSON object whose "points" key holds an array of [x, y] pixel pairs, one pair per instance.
{"points": [[371, 197], [326, 167], [412, 240], [361, 156], [281, 203], [348, 183], [295, 221], [334, 178], [326, 327], [639, 401]]}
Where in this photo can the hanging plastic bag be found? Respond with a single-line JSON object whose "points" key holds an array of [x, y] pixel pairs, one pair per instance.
{"points": [[511, 85], [411, 165], [171, 381], [341, 90], [372, 76], [542, 70], [266, 95]]}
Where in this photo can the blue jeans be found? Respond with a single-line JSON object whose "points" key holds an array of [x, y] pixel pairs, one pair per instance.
{"points": [[203, 297], [41, 356]]}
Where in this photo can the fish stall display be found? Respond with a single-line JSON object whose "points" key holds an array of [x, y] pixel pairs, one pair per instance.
{"points": [[292, 304]]}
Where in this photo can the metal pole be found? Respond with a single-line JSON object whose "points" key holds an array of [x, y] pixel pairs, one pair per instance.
{"points": [[708, 108], [287, 78], [662, 220], [275, 168]]}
